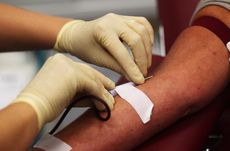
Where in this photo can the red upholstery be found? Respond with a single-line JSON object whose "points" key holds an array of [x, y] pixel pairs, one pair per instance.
{"points": [[175, 16], [223, 126], [190, 133]]}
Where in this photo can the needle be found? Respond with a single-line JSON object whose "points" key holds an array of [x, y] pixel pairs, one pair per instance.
{"points": [[114, 93]]}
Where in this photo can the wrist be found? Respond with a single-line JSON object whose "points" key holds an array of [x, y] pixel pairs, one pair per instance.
{"points": [[36, 105], [64, 36]]}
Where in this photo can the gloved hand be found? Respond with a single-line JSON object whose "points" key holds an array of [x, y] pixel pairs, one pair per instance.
{"points": [[58, 81], [100, 42]]}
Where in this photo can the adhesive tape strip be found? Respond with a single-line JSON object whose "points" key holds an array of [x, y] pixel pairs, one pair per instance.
{"points": [[114, 93], [51, 143], [137, 99], [228, 46]]}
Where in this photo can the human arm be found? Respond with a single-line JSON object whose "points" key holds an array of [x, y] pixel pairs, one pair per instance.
{"points": [[39, 102], [19, 127], [22, 29], [98, 41], [194, 72]]}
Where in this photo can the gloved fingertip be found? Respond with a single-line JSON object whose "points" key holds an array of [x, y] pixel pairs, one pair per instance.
{"points": [[139, 79], [149, 64], [109, 99], [111, 85], [145, 71], [111, 106]]}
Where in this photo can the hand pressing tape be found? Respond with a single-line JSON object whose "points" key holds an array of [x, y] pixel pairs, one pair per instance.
{"points": [[51, 143], [137, 99]]}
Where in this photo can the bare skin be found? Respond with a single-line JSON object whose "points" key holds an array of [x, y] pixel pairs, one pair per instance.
{"points": [[193, 73], [25, 30], [18, 127]]}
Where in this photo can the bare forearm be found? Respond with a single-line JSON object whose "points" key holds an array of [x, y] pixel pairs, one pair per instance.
{"points": [[18, 127], [195, 70], [25, 30]]}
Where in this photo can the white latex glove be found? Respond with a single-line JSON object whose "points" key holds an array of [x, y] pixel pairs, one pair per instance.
{"points": [[58, 81], [100, 42]]}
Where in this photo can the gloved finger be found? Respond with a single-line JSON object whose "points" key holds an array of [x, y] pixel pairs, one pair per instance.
{"points": [[83, 100], [95, 88], [107, 83], [141, 30], [109, 62], [112, 64], [134, 41], [86, 102], [112, 43], [145, 22], [99, 105], [89, 103]]}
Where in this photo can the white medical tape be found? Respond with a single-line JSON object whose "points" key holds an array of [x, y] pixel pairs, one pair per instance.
{"points": [[228, 45], [51, 143], [137, 99], [114, 93]]}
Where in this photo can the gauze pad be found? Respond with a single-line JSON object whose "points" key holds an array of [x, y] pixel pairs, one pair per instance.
{"points": [[137, 99], [51, 143]]}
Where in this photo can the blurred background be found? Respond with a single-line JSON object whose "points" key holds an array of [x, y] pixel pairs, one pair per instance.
{"points": [[168, 19]]}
